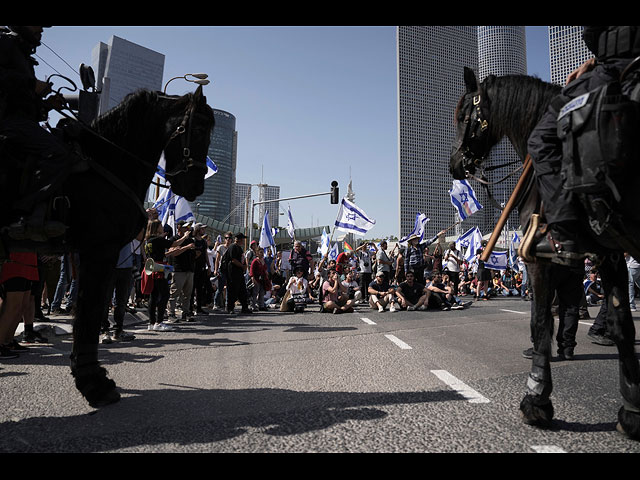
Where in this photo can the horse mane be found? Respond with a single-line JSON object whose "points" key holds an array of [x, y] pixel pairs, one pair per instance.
{"points": [[134, 109], [520, 97]]}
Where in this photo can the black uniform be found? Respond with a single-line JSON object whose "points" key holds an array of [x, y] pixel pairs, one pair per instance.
{"points": [[544, 145]]}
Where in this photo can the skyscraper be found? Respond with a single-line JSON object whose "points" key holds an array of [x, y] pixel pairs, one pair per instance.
{"points": [[431, 60], [122, 67], [219, 190], [567, 51], [268, 192]]}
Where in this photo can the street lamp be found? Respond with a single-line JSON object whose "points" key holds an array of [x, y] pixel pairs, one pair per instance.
{"points": [[200, 79]]}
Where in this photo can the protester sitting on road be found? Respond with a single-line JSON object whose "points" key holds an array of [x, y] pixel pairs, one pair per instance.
{"points": [[412, 295], [438, 296], [381, 294], [353, 288], [299, 292], [334, 300]]}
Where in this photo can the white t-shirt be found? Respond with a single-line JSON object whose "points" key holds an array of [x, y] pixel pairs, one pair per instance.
{"points": [[450, 260], [297, 285]]}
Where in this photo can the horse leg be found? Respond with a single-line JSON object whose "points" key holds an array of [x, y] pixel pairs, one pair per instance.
{"points": [[90, 378], [536, 408], [621, 330]]}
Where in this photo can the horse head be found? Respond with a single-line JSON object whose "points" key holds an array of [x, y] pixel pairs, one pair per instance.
{"points": [[189, 133], [473, 140]]}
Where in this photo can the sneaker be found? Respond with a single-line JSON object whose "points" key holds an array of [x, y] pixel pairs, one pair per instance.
{"points": [[633, 308], [565, 354], [446, 308], [122, 336], [456, 306], [528, 353], [6, 353], [392, 308], [422, 308], [600, 339], [411, 308], [163, 327], [171, 318], [58, 311], [106, 338], [380, 308]]}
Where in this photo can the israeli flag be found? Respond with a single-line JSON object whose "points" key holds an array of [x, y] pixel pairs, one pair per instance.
{"points": [[178, 209], [291, 228], [463, 198], [333, 253], [161, 168], [352, 219], [418, 229], [497, 261], [469, 243], [212, 168], [324, 244], [162, 203], [513, 249], [266, 237]]}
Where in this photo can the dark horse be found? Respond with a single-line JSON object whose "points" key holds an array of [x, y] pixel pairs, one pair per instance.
{"points": [[511, 106], [105, 193]]}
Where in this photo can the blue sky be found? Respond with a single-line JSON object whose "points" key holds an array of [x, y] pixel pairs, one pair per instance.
{"points": [[312, 104]]}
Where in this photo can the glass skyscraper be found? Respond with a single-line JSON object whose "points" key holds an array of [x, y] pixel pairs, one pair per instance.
{"points": [[431, 61], [567, 51]]}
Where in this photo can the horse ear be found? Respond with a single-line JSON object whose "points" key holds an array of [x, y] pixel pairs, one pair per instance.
{"points": [[470, 80], [198, 96]]}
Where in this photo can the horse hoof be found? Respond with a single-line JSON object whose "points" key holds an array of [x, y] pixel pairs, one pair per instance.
{"points": [[96, 388], [535, 413], [628, 423]]}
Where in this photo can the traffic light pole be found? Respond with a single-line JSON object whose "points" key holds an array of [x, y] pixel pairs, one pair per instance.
{"points": [[253, 204]]}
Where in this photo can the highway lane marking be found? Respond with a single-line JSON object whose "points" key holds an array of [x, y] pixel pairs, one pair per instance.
{"points": [[366, 320], [460, 387], [547, 449], [514, 311], [398, 342]]}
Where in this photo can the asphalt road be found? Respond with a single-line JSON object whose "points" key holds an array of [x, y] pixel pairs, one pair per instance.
{"points": [[426, 382]]}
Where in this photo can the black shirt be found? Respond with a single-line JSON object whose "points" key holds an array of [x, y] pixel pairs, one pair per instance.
{"points": [[412, 292], [186, 261], [156, 248], [235, 251]]}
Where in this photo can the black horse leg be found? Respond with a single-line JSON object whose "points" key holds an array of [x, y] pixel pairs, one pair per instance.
{"points": [[621, 330], [536, 407], [90, 378]]}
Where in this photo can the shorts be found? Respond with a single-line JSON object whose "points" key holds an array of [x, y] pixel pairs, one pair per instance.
{"points": [[19, 284]]}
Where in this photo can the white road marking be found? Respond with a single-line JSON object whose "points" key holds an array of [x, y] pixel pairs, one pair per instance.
{"points": [[460, 387], [547, 449], [398, 342], [515, 311], [366, 320]]}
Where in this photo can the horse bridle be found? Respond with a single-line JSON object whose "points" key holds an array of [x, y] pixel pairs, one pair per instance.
{"points": [[183, 133]]}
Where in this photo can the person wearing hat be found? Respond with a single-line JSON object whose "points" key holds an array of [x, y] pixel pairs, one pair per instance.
{"points": [[383, 262], [236, 286], [381, 294]]}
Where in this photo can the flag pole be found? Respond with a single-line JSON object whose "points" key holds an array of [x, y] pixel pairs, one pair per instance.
{"points": [[524, 176]]}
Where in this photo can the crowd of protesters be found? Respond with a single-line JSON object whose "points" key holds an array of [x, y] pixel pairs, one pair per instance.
{"points": [[192, 274]]}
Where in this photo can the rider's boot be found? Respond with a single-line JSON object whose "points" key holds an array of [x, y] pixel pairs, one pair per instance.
{"points": [[562, 245]]}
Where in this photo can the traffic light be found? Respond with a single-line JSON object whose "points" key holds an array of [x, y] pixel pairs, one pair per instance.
{"points": [[335, 192]]}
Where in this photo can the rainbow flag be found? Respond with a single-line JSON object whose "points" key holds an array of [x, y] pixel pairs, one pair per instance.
{"points": [[347, 247]]}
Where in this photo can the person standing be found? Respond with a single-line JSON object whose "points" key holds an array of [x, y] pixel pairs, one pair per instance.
{"points": [[633, 266], [383, 262], [236, 268], [365, 267], [183, 262], [201, 269], [260, 277], [452, 262], [221, 273]]}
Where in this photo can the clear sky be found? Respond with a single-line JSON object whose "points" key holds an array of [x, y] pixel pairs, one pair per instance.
{"points": [[312, 104]]}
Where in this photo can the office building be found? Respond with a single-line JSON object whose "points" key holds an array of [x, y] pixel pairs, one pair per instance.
{"points": [[122, 67], [431, 61], [567, 51], [266, 193]]}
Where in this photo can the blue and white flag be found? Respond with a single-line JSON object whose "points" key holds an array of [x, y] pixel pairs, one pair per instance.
{"points": [[469, 243], [162, 203], [212, 168], [463, 198], [497, 261], [513, 252], [352, 219], [333, 253], [178, 209], [266, 237], [418, 229], [291, 228], [324, 244]]}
